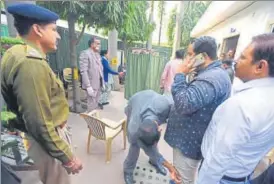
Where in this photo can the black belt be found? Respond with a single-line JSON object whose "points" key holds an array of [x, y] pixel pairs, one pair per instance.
{"points": [[243, 179]]}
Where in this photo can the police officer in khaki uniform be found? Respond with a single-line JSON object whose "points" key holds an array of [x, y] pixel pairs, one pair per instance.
{"points": [[32, 91]]}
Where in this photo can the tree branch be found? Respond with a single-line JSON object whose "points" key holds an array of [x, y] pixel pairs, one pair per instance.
{"points": [[82, 32]]}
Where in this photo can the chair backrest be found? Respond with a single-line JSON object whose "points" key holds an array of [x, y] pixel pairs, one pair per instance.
{"points": [[96, 126], [67, 73]]}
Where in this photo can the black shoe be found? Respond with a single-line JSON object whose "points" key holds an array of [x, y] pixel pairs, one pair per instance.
{"points": [[159, 168], [101, 106], [128, 177], [106, 103]]}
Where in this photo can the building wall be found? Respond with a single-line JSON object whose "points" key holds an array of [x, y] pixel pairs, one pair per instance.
{"points": [[254, 20]]}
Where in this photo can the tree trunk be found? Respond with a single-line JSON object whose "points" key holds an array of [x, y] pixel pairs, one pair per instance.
{"points": [[113, 53], [73, 61], [10, 19], [160, 29], [178, 31], [151, 19]]}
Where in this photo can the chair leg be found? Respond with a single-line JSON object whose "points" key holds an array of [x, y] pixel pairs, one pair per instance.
{"points": [[108, 154], [88, 143], [125, 136]]}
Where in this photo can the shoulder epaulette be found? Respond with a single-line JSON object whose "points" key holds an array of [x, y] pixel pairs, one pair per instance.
{"points": [[34, 54]]}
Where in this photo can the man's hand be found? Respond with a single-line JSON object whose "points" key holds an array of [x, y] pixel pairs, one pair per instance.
{"points": [[91, 92], [174, 174], [74, 166], [186, 67]]}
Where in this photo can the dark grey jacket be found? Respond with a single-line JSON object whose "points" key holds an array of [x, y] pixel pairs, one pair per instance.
{"points": [[143, 105]]}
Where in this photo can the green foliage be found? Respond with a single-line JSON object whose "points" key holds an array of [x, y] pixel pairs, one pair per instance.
{"points": [[64, 8], [2, 4], [6, 116], [10, 40], [161, 9], [135, 26], [93, 14], [7, 42], [161, 14], [193, 13], [171, 26], [128, 17]]}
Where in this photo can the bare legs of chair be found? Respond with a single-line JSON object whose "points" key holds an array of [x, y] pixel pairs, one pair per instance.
{"points": [[108, 145], [125, 135], [88, 144]]}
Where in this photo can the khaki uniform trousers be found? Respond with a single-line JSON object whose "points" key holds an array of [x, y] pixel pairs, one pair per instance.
{"points": [[50, 169]]}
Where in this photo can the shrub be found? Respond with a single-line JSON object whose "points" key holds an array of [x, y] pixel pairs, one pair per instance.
{"points": [[8, 42], [7, 116]]}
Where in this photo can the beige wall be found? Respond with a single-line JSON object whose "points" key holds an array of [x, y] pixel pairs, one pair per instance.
{"points": [[252, 21]]}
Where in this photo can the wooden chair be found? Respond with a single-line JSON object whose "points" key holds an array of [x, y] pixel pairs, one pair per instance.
{"points": [[104, 129], [67, 77]]}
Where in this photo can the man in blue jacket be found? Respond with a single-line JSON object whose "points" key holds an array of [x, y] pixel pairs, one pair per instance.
{"points": [[107, 70]]}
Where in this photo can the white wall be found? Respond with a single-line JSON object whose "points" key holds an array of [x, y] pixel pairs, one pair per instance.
{"points": [[252, 21]]}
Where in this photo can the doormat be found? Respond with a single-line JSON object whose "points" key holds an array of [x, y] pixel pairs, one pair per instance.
{"points": [[144, 173]]}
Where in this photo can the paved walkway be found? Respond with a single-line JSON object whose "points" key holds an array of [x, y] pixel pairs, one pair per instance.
{"points": [[96, 171]]}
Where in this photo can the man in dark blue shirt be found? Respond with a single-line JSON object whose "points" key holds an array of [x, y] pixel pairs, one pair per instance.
{"points": [[107, 70], [195, 100]]}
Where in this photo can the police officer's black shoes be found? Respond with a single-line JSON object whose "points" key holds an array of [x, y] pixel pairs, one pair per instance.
{"points": [[128, 177], [159, 168]]}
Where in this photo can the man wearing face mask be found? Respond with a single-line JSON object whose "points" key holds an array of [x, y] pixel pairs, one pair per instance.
{"points": [[91, 69], [32, 91], [240, 133], [145, 112]]}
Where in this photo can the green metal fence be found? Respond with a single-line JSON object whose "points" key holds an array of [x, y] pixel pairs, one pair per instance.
{"points": [[143, 72], [61, 58]]}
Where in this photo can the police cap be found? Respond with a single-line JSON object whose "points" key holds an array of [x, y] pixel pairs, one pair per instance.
{"points": [[33, 12]]}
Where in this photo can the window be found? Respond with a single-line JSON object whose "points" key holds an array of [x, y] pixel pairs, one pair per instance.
{"points": [[230, 44]]}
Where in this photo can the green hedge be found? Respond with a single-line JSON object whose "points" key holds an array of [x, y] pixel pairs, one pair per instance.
{"points": [[8, 42]]}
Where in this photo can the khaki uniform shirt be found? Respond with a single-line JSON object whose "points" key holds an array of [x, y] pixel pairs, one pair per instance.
{"points": [[33, 92]]}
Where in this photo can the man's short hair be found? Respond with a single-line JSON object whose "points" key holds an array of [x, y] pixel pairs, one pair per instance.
{"points": [[103, 52], [206, 44], [148, 132], [179, 54], [228, 62], [23, 24], [92, 40], [264, 50]]}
